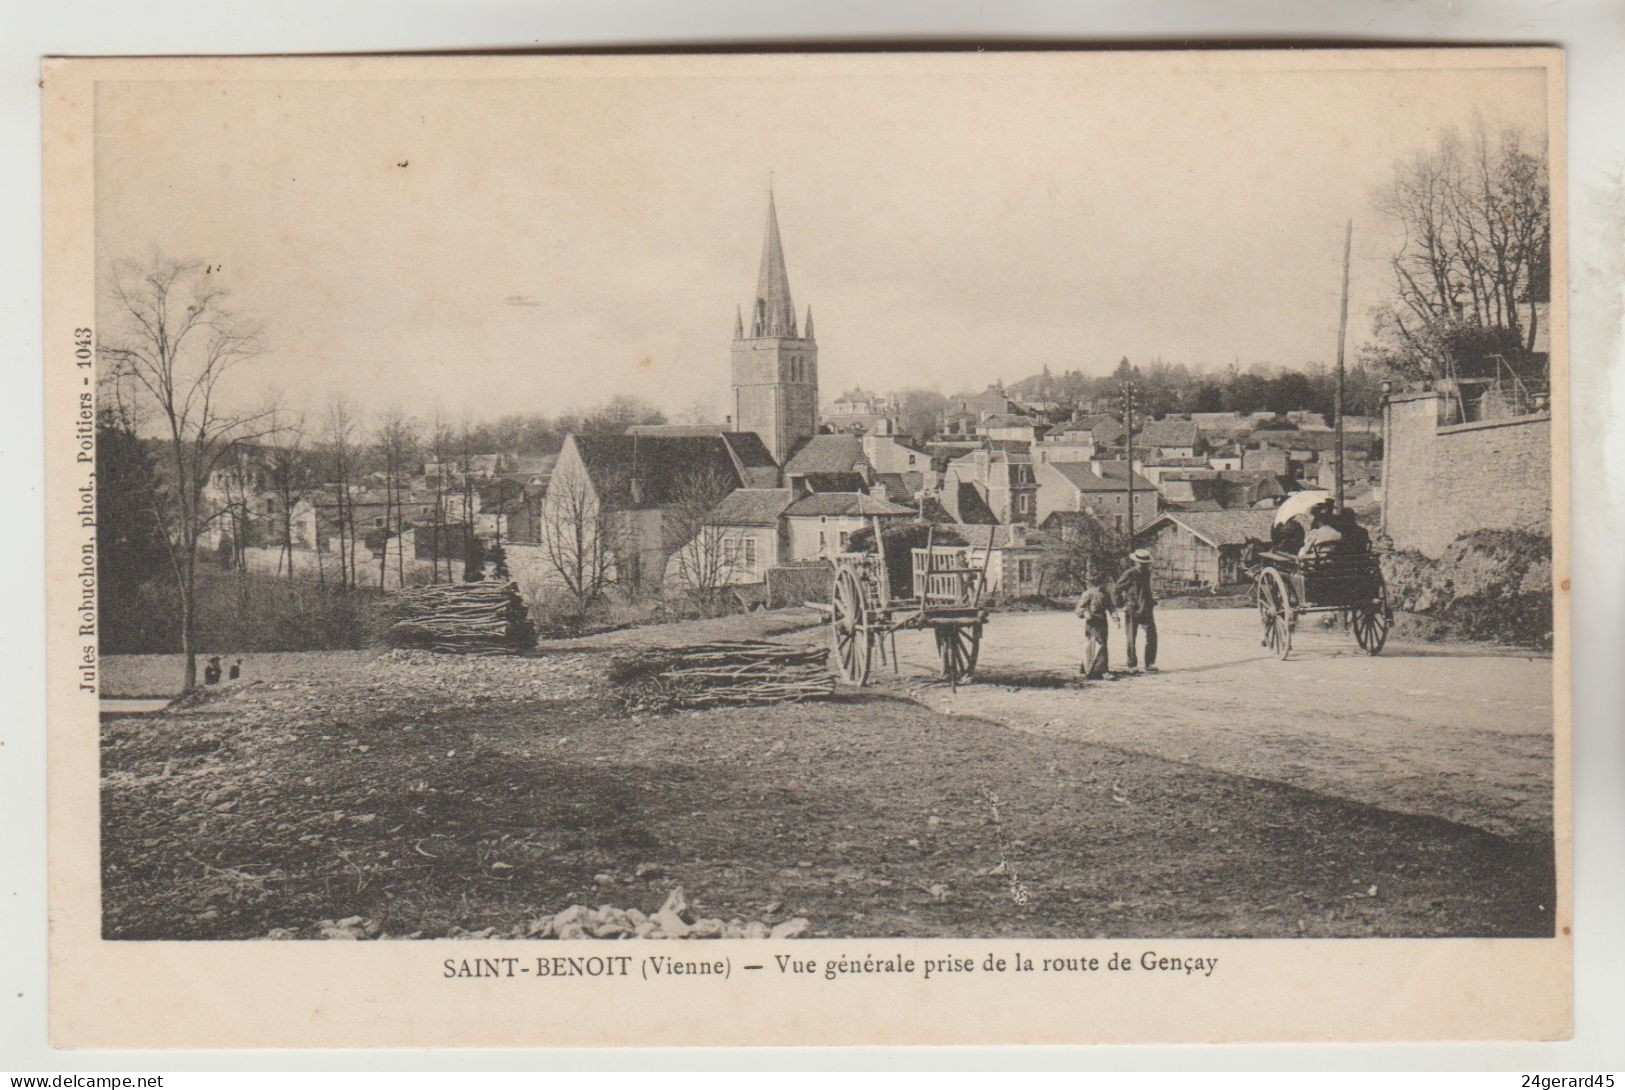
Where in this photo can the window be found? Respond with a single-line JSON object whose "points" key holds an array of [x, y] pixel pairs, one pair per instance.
{"points": [[378, 523], [821, 542], [1024, 571], [845, 537], [739, 553]]}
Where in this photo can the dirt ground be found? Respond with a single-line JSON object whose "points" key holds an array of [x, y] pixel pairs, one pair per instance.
{"points": [[430, 796], [1455, 731]]}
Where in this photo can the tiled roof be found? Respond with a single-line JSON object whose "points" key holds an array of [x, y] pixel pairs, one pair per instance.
{"points": [[836, 482], [752, 507], [844, 503], [677, 430], [658, 465], [971, 507], [1167, 433], [1104, 427], [748, 447], [901, 487], [826, 454], [1221, 528], [1314, 440], [1085, 479], [977, 536]]}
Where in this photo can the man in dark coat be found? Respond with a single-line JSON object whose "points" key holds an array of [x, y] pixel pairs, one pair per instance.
{"points": [[1134, 595]]}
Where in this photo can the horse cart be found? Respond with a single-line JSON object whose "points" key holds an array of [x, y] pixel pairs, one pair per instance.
{"points": [[865, 616], [1287, 587]]}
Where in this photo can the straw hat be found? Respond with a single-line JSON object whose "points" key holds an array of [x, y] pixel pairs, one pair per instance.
{"points": [[1140, 556]]}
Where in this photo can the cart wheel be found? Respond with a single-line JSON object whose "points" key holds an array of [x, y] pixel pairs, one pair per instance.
{"points": [[849, 636], [957, 646], [1372, 622], [1275, 607], [1266, 616]]}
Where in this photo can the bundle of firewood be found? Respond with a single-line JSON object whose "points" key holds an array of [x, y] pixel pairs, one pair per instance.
{"points": [[484, 618], [708, 675]]}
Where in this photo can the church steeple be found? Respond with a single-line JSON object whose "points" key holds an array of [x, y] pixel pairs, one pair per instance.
{"points": [[775, 312], [806, 330], [775, 366]]}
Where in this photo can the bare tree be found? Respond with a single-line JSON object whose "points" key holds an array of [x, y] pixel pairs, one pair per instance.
{"points": [[292, 477], [395, 441], [441, 444], [232, 486], [583, 536], [1087, 547], [172, 344], [706, 555], [342, 459], [1477, 219]]}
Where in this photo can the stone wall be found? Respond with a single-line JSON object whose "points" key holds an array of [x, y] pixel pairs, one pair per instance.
{"points": [[1442, 481]]}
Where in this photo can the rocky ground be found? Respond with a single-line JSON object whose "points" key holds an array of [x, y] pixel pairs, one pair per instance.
{"points": [[364, 795]]}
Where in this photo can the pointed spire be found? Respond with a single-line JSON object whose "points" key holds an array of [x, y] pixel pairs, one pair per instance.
{"points": [[775, 311], [807, 330], [739, 325]]}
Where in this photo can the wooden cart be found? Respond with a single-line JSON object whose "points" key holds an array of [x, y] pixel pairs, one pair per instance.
{"points": [[865, 616], [1285, 587]]}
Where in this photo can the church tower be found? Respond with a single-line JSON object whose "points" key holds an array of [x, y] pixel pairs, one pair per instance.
{"points": [[775, 365]]}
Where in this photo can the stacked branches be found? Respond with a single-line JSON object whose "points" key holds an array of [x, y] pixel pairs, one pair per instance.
{"points": [[484, 618], [709, 675]]}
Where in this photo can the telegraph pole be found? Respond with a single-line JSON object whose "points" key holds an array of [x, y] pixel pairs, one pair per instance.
{"points": [[1337, 394], [1128, 447]]}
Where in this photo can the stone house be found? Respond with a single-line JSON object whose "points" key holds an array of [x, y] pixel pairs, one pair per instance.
{"points": [[744, 536], [1005, 427], [1202, 548], [819, 525], [1170, 437], [1003, 479], [634, 487], [1098, 488], [1023, 560], [886, 454]]}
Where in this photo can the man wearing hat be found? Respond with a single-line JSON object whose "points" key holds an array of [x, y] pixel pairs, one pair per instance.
{"points": [[1323, 538], [1133, 591]]}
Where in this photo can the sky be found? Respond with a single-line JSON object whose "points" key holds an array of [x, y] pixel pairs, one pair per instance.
{"points": [[477, 246]]}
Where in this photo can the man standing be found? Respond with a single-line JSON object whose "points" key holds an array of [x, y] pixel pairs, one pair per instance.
{"points": [[1133, 593]]}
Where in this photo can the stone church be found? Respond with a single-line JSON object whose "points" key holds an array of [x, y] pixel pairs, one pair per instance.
{"points": [[769, 457], [775, 365]]}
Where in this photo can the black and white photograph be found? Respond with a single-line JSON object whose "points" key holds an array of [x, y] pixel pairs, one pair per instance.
{"points": [[782, 497]]}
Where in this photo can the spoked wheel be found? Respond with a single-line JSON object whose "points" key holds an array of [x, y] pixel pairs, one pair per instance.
{"points": [[1265, 614], [1372, 622], [1275, 611], [848, 631], [958, 646]]}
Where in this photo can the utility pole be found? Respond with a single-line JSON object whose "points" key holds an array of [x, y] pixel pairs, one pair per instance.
{"points": [[1128, 447], [1337, 394]]}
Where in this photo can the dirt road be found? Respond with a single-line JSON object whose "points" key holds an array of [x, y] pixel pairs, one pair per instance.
{"points": [[1457, 732]]}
